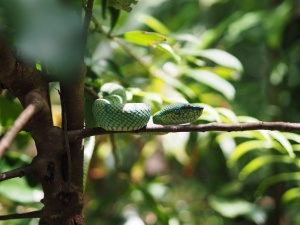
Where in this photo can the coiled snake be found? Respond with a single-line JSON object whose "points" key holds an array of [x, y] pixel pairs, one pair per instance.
{"points": [[113, 113]]}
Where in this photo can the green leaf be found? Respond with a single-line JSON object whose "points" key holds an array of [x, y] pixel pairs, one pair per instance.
{"points": [[89, 145], [242, 23], [229, 114], [245, 147], [105, 67], [154, 100], [210, 114], [7, 117], [291, 136], [260, 161], [284, 142], [176, 83], [114, 16], [247, 119], [168, 49], [276, 21], [18, 190], [104, 6], [290, 195], [214, 81], [143, 38], [210, 36], [154, 24], [218, 56], [152, 202], [276, 179], [122, 4], [232, 208]]}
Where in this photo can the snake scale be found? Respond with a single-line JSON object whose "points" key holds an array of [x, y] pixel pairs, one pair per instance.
{"points": [[113, 113]]}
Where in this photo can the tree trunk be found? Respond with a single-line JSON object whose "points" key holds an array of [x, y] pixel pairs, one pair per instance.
{"points": [[58, 165]]}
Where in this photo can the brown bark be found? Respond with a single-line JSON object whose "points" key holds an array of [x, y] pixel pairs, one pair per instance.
{"points": [[63, 201]]}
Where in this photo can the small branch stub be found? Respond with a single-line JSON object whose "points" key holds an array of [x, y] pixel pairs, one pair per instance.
{"points": [[18, 125]]}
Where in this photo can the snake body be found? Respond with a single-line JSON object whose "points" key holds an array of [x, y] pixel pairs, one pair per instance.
{"points": [[113, 113]]}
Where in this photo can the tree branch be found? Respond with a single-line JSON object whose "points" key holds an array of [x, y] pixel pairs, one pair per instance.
{"points": [[34, 214], [66, 140], [280, 126], [86, 23], [18, 125], [19, 172]]}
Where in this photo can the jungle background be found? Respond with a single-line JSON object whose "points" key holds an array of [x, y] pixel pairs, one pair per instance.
{"points": [[240, 60]]}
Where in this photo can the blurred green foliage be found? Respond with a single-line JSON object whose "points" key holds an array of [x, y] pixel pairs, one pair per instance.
{"points": [[240, 60]]}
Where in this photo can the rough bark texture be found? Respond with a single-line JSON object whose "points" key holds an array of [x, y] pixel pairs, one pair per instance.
{"points": [[63, 192]]}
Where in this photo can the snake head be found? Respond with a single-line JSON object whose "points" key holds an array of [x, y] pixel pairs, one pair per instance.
{"points": [[178, 113]]}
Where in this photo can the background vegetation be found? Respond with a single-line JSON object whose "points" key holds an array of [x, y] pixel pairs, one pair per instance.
{"points": [[240, 60]]}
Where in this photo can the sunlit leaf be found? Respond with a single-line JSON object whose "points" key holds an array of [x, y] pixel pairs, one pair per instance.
{"points": [[291, 195], [247, 119], [246, 147], [293, 176], [210, 113], [229, 114], [233, 208], [106, 67], [176, 83], [211, 35], [291, 136], [244, 134], [228, 145], [214, 81], [284, 142], [219, 57], [143, 38], [296, 147], [89, 145], [154, 100], [20, 191], [168, 49], [190, 38], [225, 72], [154, 24], [261, 161], [241, 23]]}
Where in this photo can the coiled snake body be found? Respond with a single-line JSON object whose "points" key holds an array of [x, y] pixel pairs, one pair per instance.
{"points": [[113, 113]]}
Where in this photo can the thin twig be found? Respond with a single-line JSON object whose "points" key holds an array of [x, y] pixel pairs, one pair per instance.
{"points": [[19, 172], [115, 152], [121, 44], [66, 138], [34, 214], [99, 26], [132, 54], [18, 125], [86, 23], [91, 92], [280, 126], [117, 168]]}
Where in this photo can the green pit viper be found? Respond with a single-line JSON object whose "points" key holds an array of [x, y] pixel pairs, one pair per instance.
{"points": [[113, 113]]}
